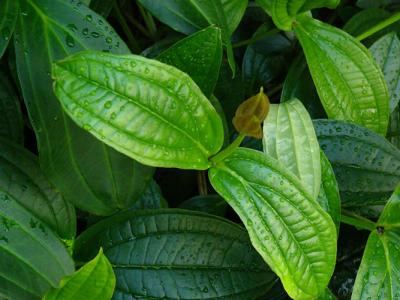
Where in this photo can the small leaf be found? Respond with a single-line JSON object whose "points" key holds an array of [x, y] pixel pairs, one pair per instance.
{"points": [[386, 51], [177, 254], [95, 280], [8, 18], [282, 219], [349, 82], [211, 204], [151, 198], [111, 96]]}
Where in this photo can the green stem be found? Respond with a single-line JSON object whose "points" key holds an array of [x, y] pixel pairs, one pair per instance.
{"points": [[125, 27], [256, 38], [148, 19], [357, 221], [389, 21], [228, 150]]}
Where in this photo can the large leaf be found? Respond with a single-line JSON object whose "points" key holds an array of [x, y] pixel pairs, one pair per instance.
{"points": [[386, 51], [11, 124], [294, 235], [32, 258], [379, 273], [199, 56], [284, 12], [95, 280], [8, 18], [177, 254], [366, 165], [132, 103], [349, 82], [290, 138], [87, 172], [21, 177]]}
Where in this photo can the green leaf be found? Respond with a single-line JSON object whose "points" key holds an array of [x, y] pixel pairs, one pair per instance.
{"points": [[211, 204], [290, 138], [177, 254], [366, 165], [11, 123], [95, 280], [75, 162], [112, 95], [151, 198], [32, 258], [282, 219], [379, 273], [327, 295], [386, 51], [199, 56], [8, 18], [284, 12], [394, 128], [102, 7], [349, 82], [21, 177]]}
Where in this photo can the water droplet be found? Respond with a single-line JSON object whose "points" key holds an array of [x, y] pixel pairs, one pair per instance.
{"points": [[95, 34], [72, 27], [3, 239], [205, 289], [109, 40], [107, 105], [69, 40], [89, 18], [113, 116], [87, 127], [85, 31]]}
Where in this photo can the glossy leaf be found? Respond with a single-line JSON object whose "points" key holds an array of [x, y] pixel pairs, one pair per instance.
{"points": [[386, 51], [290, 138], [8, 18], [32, 258], [349, 82], [211, 204], [394, 128], [11, 124], [177, 254], [366, 165], [282, 219], [110, 96], [284, 12], [199, 56], [95, 280], [87, 172], [21, 177], [379, 273]]}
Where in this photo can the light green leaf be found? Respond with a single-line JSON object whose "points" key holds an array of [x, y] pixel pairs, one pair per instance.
{"points": [[21, 177], [366, 165], [74, 161], [32, 258], [290, 138], [177, 254], [95, 280], [379, 273], [349, 82], [386, 51], [291, 231], [11, 123], [111, 96], [199, 56], [8, 18], [284, 12], [327, 295]]}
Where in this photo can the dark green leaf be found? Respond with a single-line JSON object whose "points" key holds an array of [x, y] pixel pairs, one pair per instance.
{"points": [[177, 254], [11, 123], [366, 165], [151, 198], [95, 280], [32, 258], [87, 172], [102, 7], [112, 95], [198, 55], [349, 82], [211, 204], [282, 219], [8, 18]]}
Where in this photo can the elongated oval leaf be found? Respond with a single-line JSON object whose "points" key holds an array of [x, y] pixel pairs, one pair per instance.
{"points": [[199, 56], [32, 259], [95, 280], [113, 97], [177, 254], [88, 173], [284, 12], [366, 165], [290, 138], [294, 235], [386, 51], [349, 82], [11, 124], [8, 18]]}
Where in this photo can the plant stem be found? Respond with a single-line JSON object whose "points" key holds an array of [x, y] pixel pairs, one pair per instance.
{"points": [[357, 221], [148, 19], [125, 27], [389, 21], [202, 183], [228, 150], [256, 38]]}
